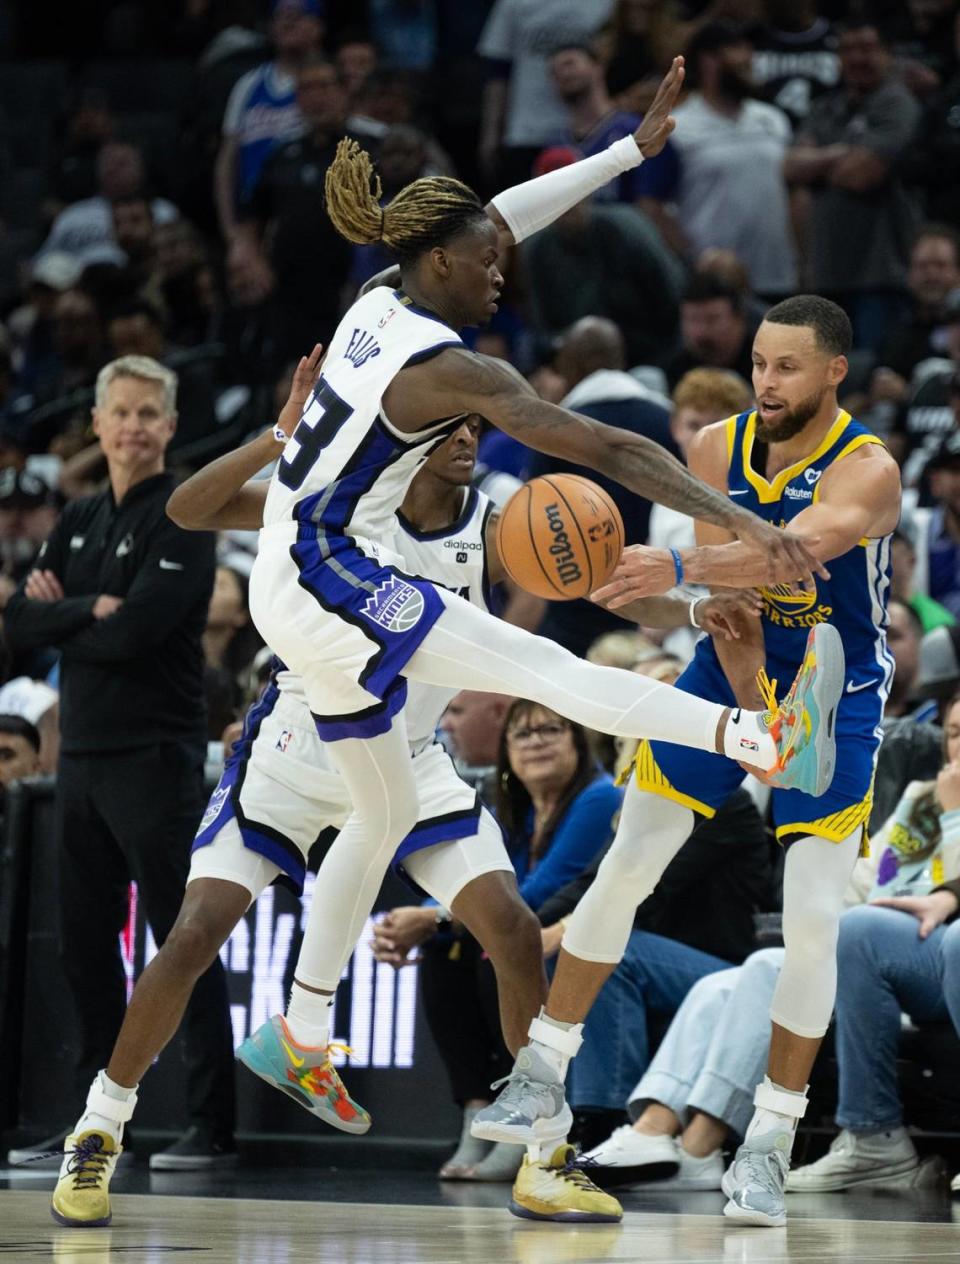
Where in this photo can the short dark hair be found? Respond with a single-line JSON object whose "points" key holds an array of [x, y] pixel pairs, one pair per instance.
{"points": [[17, 726], [711, 38], [829, 322], [137, 307], [706, 285]]}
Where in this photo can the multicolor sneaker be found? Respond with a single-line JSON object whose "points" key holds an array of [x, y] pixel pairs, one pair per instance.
{"points": [[561, 1190], [803, 725], [532, 1109], [306, 1075], [754, 1182], [81, 1198]]}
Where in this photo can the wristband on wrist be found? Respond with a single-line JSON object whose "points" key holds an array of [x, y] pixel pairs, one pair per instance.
{"points": [[693, 611], [281, 436], [444, 918], [677, 566]]}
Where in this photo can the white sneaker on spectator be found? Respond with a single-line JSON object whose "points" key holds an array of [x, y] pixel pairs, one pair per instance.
{"points": [[857, 1160], [694, 1173], [628, 1156], [955, 1184]]}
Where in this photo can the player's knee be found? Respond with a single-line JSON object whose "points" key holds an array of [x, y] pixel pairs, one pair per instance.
{"points": [[192, 944], [810, 929]]}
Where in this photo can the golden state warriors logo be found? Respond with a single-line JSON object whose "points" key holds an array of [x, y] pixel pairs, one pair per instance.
{"points": [[788, 609]]}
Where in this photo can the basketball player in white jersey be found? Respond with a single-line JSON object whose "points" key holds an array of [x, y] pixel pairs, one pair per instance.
{"points": [[280, 790]]}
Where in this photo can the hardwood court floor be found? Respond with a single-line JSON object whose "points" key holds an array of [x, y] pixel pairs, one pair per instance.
{"points": [[154, 1230]]}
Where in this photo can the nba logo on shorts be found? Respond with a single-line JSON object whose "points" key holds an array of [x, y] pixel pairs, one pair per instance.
{"points": [[395, 606], [284, 740]]}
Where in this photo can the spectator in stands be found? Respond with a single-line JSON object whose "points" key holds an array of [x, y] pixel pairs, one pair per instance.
{"points": [[934, 273], [899, 952], [794, 55], [189, 285], [521, 109], [903, 641], [698, 1092], [38, 703], [356, 60], [28, 512], [714, 329], [729, 188], [229, 645], [19, 750], [920, 36], [846, 159], [637, 42], [262, 110], [930, 411], [471, 728], [933, 159], [307, 260], [903, 564], [594, 122], [85, 229], [594, 261], [85, 126], [556, 808], [591, 358], [75, 355], [135, 233], [137, 329], [677, 939], [936, 532], [124, 593], [30, 326], [701, 397]]}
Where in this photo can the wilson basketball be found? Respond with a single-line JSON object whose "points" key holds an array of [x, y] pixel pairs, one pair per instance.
{"points": [[560, 537]]}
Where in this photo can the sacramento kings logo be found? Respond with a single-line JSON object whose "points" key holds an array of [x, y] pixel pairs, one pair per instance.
{"points": [[395, 606]]}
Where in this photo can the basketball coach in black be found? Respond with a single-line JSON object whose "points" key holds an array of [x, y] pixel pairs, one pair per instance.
{"points": [[123, 594]]}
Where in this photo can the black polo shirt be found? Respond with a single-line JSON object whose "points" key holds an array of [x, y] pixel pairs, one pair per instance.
{"points": [[134, 678]]}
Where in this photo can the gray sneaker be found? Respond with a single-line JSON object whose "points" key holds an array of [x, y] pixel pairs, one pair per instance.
{"points": [[531, 1108], [755, 1180]]}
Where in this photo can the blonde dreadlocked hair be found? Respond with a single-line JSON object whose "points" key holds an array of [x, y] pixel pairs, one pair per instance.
{"points": [[427, 213]]}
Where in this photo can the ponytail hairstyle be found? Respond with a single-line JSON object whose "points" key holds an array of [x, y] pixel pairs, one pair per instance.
{"points": [[427, 213]]}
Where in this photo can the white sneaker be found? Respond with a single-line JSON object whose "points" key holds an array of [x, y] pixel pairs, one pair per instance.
{"points": [[629, 1156], [694, 1173], [955, 1184], [857, 1160]]}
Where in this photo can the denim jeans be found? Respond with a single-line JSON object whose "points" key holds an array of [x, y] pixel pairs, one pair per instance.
{"points": [[653, 977], [715, 1052], [884, 967]]}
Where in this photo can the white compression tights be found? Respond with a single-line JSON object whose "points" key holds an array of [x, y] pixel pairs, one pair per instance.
{"points": [[468, 648], [815, 879]]}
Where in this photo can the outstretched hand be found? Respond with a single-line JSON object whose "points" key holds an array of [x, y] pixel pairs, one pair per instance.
{"points": [[305, 377], [652, 134], [720, 613], [788, 556]]}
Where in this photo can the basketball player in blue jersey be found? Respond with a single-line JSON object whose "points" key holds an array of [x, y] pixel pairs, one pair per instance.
{"points": [[280, 791], [800, 462]]}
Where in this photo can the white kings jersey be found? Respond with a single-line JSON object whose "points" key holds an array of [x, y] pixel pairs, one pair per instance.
{"points": [[456, 558], [346, 469]]}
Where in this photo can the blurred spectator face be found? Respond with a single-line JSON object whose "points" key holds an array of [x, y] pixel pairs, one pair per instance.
{"points": [[945, 486], [903, 641], [321, 98], [119, 170], [76, 324], [133, 228], [403, 156], [540, 748], [27, 516], [575, 73], [133, 425], [228, 606], [934, 270], [91, 122], [712, 330], [864, 61], [473, 723], [295, 31], [455, 459], [18, 758], [356, 60], [903, 563], [136, 334], [686, 422], [388, 98], [735, 70], [177, 247]]}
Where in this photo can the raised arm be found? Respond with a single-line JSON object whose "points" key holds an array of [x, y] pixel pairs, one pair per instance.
{"points": [[456, 381], [225, 495]]}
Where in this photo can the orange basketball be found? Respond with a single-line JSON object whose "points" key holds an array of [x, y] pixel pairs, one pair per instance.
{"points": [[560, 537]]}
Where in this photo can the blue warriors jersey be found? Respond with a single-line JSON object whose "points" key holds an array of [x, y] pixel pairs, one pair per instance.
{"points": [[854, 598]]}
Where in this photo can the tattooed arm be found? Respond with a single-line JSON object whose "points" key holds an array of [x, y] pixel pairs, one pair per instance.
{"points": [[457, 381]]}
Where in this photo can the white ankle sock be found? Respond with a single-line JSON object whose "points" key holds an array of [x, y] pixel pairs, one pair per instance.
{"points": [[308, 1017], [100, 1115], [747, 739]]}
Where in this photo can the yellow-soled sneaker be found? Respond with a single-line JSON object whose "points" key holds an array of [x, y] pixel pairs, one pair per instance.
{"points": [[82, 1196], [561, 1190]]}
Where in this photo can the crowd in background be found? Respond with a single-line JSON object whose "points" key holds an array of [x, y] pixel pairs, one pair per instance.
{"points": [[161, 194]]}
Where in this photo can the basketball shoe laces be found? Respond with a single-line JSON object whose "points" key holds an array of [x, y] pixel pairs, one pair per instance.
{"points": [[521, 1087], [577, 1169], [335, 1046], [88, 1162], [760, 1165], [786, 714]]}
